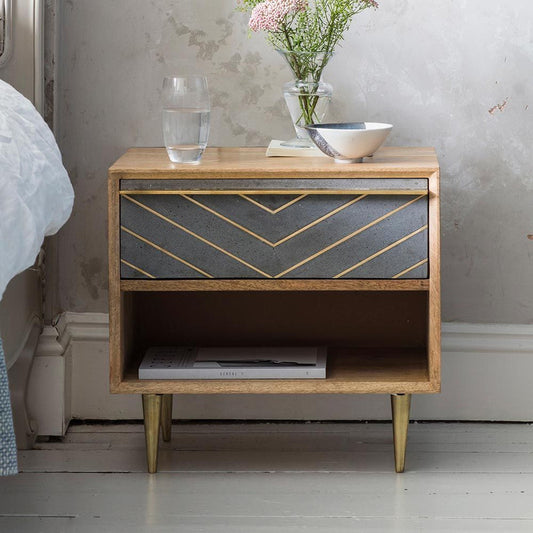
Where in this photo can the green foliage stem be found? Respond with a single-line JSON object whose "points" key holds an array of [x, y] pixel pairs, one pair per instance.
{"points": [[308, 40]]}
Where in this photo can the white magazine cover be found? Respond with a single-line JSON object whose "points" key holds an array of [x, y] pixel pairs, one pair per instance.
{"points": [[188, 362]]}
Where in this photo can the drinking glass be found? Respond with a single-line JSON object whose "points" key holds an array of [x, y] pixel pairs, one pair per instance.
{"points": [[185, 118]]}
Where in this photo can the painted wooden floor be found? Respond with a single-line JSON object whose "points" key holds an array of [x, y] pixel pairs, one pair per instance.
{"points": [[276, 477]]}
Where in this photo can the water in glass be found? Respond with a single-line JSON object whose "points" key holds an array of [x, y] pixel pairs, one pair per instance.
{"points": [[185, 131], [185, 118]]}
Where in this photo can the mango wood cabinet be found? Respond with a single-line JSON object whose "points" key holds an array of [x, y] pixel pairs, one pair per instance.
{"points": [[246, 250]]}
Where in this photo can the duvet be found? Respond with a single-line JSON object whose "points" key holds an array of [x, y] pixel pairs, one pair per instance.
{"points": [[36, 199], [35, 193]]}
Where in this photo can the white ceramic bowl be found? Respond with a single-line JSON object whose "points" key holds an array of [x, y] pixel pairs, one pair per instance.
{"points": [[349, 142]]}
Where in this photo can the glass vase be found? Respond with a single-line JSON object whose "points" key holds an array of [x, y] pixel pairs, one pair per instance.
{"points": [[308, 96]]}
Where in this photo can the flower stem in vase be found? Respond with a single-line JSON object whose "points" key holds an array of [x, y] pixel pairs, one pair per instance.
{"points": [[306, 33]]}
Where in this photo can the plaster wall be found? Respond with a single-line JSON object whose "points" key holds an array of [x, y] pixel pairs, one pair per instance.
{"points": [[454, 75]]}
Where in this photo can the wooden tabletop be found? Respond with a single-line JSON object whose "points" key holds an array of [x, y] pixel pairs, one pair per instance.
{"points": [[252, 162]]}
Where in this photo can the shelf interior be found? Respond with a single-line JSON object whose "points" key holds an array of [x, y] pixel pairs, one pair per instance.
{"points": [[377, 340]]}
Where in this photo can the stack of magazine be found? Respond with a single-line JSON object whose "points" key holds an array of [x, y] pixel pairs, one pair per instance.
{"points": [[188, 362]]}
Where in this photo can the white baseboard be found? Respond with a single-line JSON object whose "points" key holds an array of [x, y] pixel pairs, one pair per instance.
{"points": [[19, 376], [77, 327], [487, 338], [487, 374], [48, 386]]}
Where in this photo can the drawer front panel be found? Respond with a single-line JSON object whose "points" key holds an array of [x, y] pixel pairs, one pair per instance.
{"points": [[281, 236], [326, 185]]}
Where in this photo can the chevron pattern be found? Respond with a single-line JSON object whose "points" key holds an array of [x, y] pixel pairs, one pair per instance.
{"points": [[274, 236], [272, 204]]}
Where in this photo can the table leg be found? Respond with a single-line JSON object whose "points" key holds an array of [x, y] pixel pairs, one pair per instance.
{"points": [[401, 404], [166, 417], [152, 421]]}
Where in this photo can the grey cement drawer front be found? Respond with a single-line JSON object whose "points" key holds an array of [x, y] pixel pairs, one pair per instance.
{"points": [[400, 185], [200, 236]]}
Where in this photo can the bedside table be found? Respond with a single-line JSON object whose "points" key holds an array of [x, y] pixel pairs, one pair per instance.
{"points": [[244, 250]]}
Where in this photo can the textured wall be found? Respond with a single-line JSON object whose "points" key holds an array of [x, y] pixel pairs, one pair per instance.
{"points": [[455, 75]]}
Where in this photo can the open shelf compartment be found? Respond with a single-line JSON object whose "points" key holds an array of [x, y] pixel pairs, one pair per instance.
{"points": [[377, 340]]}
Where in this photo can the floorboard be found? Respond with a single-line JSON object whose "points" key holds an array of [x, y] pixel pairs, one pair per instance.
{"points": [[276, 477]]}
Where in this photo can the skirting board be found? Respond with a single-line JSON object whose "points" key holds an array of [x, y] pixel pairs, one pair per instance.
{"points": [[487, 371], [49, 385]]}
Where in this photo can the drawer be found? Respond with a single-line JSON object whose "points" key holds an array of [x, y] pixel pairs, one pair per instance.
{"points": [[326, 230]]}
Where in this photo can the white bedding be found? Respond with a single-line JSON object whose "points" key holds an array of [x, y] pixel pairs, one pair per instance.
{"points": [[36, 196]]}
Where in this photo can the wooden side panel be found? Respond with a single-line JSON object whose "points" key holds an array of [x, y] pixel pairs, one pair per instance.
{"points": [[434, 325], [116, 319]]}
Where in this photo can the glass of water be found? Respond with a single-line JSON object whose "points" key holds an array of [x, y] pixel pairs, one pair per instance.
{"points": [[185, 118]]}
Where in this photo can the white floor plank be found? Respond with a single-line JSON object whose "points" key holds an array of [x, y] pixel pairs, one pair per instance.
{"points": [[358, 460], [481, 437], [279, 495], [264, 525], [270, 477], [294, 448]]}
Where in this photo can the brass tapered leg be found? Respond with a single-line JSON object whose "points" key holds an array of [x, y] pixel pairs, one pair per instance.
{"points": [[166, 417], [401, 404], [152, 419]]}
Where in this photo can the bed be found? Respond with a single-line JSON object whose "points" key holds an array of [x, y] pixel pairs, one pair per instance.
{"points": [[36, 199]]}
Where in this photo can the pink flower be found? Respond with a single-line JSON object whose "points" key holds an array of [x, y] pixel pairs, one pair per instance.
{"points": [[268, 15]]}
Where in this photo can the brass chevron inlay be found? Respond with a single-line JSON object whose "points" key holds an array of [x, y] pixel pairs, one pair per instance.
{"points": [[196, 236], [170, 254], [377, 254], [348, 237], [137, 269], [273, 211], [228, 220], [284, 239], [321, 219], [407, 270]]}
